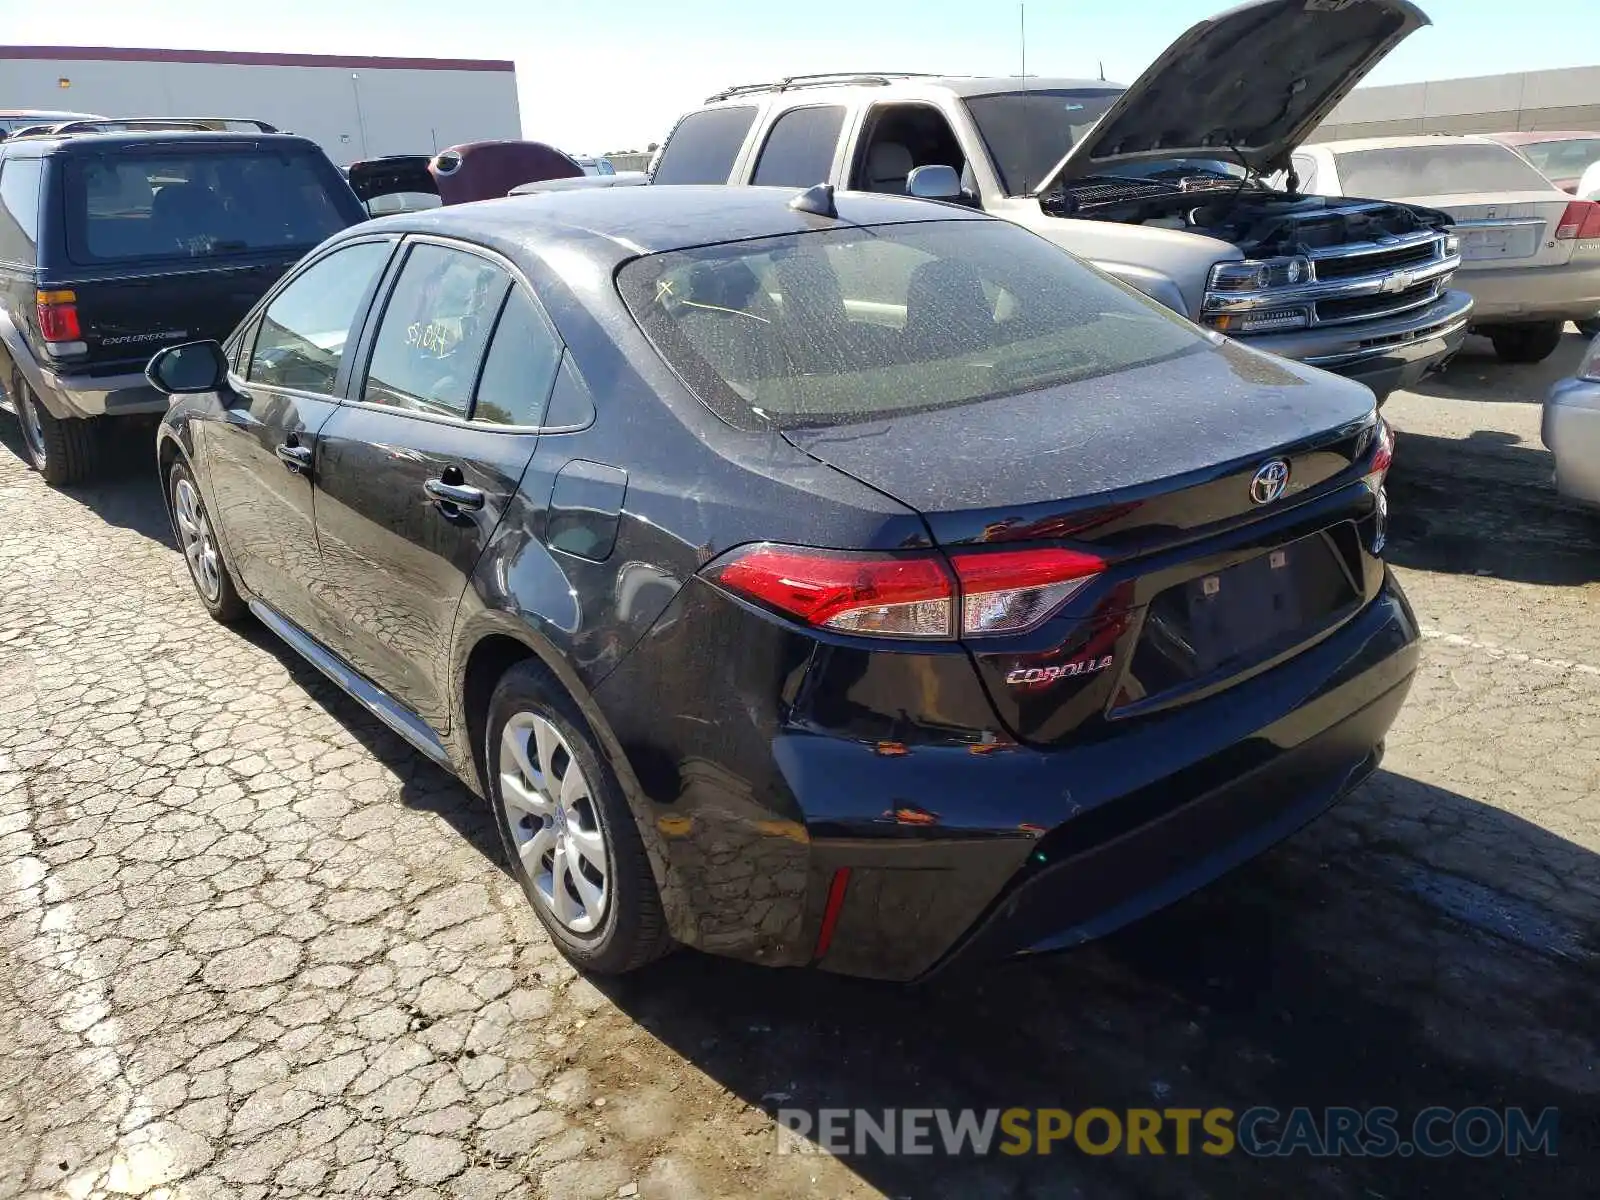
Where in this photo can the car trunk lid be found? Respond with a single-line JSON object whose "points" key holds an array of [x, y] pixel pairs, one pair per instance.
{"points": [[1506, 229], [1247, 85], [1170, 478]]}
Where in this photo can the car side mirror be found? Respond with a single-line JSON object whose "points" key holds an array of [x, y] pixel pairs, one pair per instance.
{"points": [[934, 182], [189, 368]]}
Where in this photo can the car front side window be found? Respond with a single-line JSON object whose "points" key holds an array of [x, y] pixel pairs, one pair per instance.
{"points": [[430, 343], [306, 328]]}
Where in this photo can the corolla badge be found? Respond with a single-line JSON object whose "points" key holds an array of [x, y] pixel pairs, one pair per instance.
{"points": [[1269, 482]]}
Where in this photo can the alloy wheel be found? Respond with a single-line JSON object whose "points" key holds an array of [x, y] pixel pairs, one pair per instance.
{"points": [[199, 546], [554, 822]]}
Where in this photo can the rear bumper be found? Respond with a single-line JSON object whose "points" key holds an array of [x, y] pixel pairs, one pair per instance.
{"points": [[1571, 432], [82, 396], [964, 851], [1385, 355], [1514, 294]]}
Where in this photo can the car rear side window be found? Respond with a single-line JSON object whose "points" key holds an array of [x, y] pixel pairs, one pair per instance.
{"points": [[435, 326], [301, 342], [520, 366], [19, 208], [185, 204], [1443, 168], [703, 147], [849, 324], [800, 146]]}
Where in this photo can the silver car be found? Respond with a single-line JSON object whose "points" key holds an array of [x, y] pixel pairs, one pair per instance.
{"points": [[1571, 429]]}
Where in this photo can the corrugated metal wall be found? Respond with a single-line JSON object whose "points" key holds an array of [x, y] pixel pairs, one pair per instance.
{"points": [[1566, 99]]}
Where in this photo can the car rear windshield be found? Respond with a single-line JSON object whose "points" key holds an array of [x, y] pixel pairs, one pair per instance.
{"points": [[1028, 132], [1563, 160], [850, 324], [1444, 169], [199, 204]]}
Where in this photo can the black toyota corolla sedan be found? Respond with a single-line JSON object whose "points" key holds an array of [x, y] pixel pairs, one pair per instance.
{"points": [[853, 581]]}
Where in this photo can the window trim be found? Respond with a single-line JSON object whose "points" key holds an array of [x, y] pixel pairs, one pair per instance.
{"points": [[251, 324], [373, 321], [777, 117]]}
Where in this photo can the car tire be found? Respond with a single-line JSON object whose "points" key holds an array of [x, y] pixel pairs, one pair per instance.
{"points": [[64, 452], [1589, 328], [1526, 343], [568, 832], [202, 552]]}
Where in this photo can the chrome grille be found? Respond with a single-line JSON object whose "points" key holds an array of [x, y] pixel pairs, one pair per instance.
{"points": [[1339, 263], [1366, 308]]}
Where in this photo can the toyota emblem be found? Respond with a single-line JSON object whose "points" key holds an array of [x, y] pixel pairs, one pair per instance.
{"points": [[1269, 481]]}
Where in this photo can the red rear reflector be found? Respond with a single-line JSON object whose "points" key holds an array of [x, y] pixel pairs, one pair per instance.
{"points": [[1580, 220], [58, 315], [830, 914]]}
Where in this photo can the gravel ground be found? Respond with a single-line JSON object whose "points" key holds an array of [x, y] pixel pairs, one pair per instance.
{"points": [[252, 945]]}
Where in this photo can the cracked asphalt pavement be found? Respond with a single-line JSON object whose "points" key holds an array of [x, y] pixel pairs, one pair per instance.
{"points": [[252, 945]]}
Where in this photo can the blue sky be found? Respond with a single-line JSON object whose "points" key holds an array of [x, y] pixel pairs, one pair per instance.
{"points": [[600, 75]]}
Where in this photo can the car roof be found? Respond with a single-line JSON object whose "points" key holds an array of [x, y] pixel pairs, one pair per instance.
{"points": [[891, 85], [620, 223], [63, 114], [95, 143], [1401, 142]]}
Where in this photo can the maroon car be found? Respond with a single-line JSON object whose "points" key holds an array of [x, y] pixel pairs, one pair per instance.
{"points": [[1561, 155]]}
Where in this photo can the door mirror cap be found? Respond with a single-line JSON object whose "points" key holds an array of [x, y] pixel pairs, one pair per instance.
{"points": [[934, 182], [187, 369]]}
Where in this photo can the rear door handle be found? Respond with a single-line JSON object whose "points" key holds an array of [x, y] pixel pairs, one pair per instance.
{"points": [[296, 458], [454, 494]]}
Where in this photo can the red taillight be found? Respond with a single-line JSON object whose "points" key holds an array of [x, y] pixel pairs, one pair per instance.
{"points": [[1011, 590], [886, 595], [58, 315], [1382, 457], [1580, 220], [880, 594]]}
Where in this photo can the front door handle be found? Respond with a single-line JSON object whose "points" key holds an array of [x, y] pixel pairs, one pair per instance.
{"points": [[296, 458], [453, 494]]}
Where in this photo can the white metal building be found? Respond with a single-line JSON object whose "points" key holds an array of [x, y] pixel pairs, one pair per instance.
{"points": [[355, 107]]}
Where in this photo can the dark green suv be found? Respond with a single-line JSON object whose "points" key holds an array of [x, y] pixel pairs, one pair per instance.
{"points": [[115, 242]]}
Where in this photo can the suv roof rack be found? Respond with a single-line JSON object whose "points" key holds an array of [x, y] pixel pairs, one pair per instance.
{"points": [[184, 124], [824, 79]]}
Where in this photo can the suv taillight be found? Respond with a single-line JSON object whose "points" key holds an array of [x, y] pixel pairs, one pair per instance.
{"points": [[908, 596], [58, 315], [1581, 220]]}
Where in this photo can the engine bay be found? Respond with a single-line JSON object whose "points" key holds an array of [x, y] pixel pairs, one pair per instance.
{"points": [[1262, 221]]}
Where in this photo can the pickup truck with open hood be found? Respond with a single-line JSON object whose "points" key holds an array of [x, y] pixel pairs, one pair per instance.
{"points": [[1164, 184]]}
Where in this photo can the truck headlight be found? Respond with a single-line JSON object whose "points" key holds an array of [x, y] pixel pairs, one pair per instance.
{"points": [[1256, 275]]}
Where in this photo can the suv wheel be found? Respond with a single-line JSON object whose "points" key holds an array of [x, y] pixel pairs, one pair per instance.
{"points": [[568, 833], [62, 451], [1526, 343], [198, 541]]}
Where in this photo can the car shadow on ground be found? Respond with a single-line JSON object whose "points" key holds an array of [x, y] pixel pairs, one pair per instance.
{"points": [[126, 493], [1485, 505], [1476, 374], [1339, 970]]}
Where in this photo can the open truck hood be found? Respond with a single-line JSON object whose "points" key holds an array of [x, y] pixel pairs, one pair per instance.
{"points": [[1246, 86]]}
